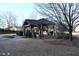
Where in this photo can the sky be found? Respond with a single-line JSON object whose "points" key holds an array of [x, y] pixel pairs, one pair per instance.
{"points": [[21, 10]]}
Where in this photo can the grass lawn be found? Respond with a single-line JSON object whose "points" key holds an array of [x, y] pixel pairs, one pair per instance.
{"points": [[19, 46]]}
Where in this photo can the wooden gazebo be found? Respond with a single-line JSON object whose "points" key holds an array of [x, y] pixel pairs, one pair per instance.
{"points": [[42, 25]]}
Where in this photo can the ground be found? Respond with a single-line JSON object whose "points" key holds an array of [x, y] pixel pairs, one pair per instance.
{"points": [[12, 45]]}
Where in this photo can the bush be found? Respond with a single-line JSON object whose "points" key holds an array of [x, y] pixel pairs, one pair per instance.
{"points": [[62, 36], [59, 35], [20, 33], [66, 36], [28, 33]]}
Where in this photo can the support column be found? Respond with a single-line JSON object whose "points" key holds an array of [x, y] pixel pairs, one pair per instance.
{"points": [[47, 32], [41, 32], [24, 30]]}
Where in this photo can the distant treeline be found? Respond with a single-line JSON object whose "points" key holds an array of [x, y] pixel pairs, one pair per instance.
{"points": [[3, 31]]}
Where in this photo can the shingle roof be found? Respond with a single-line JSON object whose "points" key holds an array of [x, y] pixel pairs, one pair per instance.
{"points": [[38, 22], [30, 21], [45, 21]]}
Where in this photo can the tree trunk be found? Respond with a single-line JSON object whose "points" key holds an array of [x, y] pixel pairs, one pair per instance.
{"points": [[70, 36]]}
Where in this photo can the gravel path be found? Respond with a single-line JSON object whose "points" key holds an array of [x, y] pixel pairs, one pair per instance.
{"points": [[19, 46]]}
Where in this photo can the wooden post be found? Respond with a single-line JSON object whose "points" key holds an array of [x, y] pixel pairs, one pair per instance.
{"points": [[41, 31], [24, 30], [47, 32], [31, 30]]}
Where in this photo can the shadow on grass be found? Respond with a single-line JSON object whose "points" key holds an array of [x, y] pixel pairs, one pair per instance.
{"points": [[7, 36]]}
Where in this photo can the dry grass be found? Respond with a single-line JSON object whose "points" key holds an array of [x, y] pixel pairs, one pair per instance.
{"points": [[37, 47]]}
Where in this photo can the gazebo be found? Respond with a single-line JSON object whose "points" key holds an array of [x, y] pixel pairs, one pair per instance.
{"points": [[42, 26]]}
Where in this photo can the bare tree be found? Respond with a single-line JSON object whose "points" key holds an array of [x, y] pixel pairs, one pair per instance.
{"points": [[65, 14], [10, 20]]}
